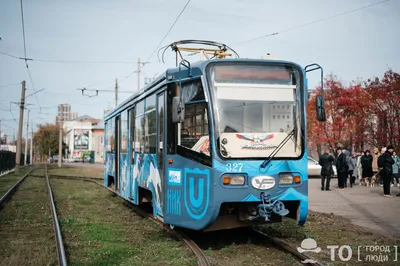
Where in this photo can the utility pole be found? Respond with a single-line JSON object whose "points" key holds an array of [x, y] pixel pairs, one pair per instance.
{"points": [[26, 141], [60, 144], [116, 92], [138, 74], [31, 143], [21, 120]]}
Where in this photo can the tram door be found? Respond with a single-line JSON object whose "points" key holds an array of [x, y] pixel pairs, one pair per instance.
{"points": [[117, 149], [161, 143]]}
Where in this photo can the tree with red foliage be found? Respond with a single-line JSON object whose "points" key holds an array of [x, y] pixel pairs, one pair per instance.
{"points": [[384, 96], [345, 111], [358, 117]]}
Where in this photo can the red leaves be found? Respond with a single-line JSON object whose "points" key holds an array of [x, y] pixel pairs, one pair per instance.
{"points": [[361, 115]]}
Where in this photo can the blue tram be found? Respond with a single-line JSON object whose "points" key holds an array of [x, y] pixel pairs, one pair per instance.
{"points": [[215, 144]]}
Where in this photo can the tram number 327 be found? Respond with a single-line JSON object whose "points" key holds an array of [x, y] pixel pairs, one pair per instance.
{"points": [[234, 167]]}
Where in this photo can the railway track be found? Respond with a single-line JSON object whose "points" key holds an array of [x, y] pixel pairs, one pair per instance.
{"points": [[307, 260], [191, 244], [62, 261], [13, 188], [194, 248]]}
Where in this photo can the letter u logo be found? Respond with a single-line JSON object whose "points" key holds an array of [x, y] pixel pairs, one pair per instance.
{"points": [[196, 192], [200, 192]]}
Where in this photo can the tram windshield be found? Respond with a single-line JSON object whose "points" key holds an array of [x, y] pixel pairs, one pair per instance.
{"points": [[257, 106]]}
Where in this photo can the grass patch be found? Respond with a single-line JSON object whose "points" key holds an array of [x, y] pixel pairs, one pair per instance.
{"points": [[329, 229], [7, 181], [89, 171], [98, 229], [26, 233]]}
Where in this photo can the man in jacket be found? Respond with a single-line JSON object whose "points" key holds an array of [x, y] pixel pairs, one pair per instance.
{"points": [[387, 171], [341, 167], [326, 161]]}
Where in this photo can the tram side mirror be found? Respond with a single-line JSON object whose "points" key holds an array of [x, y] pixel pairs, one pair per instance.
{"points": [[178, 110], [321, 116]]}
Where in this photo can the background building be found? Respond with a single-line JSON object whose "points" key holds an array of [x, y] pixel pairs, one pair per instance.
{"points": [[64, 112], [83, 136], [98, 142]]}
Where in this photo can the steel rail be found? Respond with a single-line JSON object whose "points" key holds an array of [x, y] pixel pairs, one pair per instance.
{"points": [[196, 250], [62, 260], [12, 189], [303, 257]]}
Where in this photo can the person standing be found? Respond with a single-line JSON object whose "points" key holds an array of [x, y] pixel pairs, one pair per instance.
{"points": [[341, 167], [352, 163], [366, 163], [386, 162], [359, 169], [395, 168], [375, 167], [326, 161]]}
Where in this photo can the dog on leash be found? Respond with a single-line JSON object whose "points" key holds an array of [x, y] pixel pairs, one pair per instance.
{"points": [[373, 181]]}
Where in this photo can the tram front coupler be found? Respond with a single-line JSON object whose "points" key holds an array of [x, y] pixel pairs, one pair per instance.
{"points": [[267, 207]]}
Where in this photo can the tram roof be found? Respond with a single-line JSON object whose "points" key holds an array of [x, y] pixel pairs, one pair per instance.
{"points": [[197, 69]]}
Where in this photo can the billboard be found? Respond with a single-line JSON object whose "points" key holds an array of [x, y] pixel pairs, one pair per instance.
{"points": [[81, 139]]}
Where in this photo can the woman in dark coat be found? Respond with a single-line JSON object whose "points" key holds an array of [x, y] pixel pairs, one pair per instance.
{"points": [[366, 163]]}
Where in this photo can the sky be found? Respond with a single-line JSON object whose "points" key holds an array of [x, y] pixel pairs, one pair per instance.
{"points": [[102, 40]]}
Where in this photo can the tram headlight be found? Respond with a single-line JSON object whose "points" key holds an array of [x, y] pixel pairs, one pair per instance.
{"points": [[234, 180], [286, 179]]}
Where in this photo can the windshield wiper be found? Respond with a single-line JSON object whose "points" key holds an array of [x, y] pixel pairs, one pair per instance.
{"points": [[278, 148], [295, 127]]}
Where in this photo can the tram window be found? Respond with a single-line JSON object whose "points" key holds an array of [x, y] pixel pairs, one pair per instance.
{"points": [[140, 107], [194, 129], [139, 134], [192, 91], [110, 136], [132, 131], [150, 132], [195, 126], [124, 132], [150, 102]]}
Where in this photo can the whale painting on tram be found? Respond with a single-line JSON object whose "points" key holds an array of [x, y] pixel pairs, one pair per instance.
{"points": [[215, 144]]}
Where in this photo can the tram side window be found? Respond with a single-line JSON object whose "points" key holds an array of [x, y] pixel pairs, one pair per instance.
{"points": [[139, 130], [124, 132], [150, 132], [150, 125], [110, 136], [194, 130], [132, 131]]}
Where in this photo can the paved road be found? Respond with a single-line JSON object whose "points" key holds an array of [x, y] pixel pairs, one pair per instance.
{"points": [[364, 206]]}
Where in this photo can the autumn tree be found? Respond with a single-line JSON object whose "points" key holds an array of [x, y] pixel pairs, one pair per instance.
{"points": [[384, 96], [337, 130], [359, 116], [46, 139]]}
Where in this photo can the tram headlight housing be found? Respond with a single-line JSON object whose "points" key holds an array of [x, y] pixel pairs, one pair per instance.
{"points": [[233, 180], [287, 179]]}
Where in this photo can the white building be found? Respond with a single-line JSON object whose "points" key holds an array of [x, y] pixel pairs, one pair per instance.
{"points": [[83, 136], [98, 142], [77, 136]]}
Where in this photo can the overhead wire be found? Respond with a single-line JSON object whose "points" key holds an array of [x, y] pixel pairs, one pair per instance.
{"points": [[67, 61], [26, 59], [310, 23], [10, 85], [165, 36], [155, 50], [23, 31]]}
